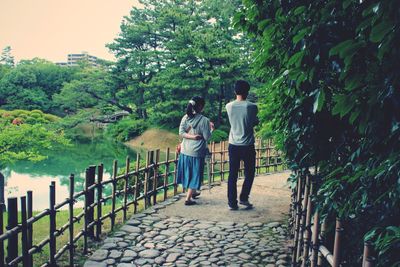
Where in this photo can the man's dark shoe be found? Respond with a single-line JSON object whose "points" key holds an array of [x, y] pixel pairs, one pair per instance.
{"points": [[233, 207], [247, 204], [190, 202], [195, 195]]}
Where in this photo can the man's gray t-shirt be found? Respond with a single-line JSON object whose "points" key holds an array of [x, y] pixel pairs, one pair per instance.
{"points": [[242, 117]]}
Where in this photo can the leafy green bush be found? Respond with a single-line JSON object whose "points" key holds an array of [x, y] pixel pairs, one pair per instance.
{"points": [[225, 128], [218, 136], [126, 129], [332, 98], [26, 116]]}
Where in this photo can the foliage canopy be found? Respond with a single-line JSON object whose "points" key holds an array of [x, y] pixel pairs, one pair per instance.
{"points": [[332, 98]]}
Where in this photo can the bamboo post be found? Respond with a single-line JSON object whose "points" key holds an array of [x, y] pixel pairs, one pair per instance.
{"points": [[220, 162], [307, 229], [367, 252], [213, 162], [166, 174], [297, 222], [114, 190], [12, 248], [175, 174], [89, 199], [146, 180], [85, 222], [258, 150], [303, 217], [294, 207], [30, 227], [223, 161], [135, 196], [99, 191], [52, 225], [337, 244], [155, 175], [270, 155], [126, 177], [266, 153], [275, 160], [260, 156], [321, 242], [292, 212], [315, 245], [71, 246], [24, 233], [2, 209]]}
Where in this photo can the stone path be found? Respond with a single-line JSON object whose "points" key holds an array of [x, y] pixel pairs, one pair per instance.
{"points": [[160, 236]]}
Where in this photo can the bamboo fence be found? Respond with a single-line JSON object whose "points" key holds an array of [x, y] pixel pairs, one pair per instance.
{"points": [[309, 246], [146, 184]]}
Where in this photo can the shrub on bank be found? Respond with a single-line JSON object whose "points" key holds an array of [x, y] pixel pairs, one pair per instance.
{"points": [[218, 136], [26, 116], [126, 129]]}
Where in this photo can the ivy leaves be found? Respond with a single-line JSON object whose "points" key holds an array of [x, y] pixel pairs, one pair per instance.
{"points": [[331, 94]]}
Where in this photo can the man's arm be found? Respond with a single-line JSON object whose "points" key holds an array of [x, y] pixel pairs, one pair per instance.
{"points": [[256, 120]]}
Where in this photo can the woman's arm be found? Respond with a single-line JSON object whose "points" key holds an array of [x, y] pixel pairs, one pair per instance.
{"points": [[191, 136], [184, 129]]}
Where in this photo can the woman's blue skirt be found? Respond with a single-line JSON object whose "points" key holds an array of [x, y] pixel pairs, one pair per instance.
{"points": [[190, 171]]}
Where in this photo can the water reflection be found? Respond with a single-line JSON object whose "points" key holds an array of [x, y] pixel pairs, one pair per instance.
{"points": [[37, 176]]}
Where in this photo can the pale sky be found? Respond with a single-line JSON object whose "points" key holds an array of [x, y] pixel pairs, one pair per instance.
{"points": [[51, 29]]}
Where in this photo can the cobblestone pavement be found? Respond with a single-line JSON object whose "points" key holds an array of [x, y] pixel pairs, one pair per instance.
{"points": [[153, 238]]}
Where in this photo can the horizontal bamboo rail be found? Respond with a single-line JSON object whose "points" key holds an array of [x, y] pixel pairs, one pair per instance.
{"points": [[139, 183], [309, 232]]}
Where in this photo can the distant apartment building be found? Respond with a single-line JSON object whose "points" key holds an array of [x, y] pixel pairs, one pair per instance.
{"points": [[75, 59]]}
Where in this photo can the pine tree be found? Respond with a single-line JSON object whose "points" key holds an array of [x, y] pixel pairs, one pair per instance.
{"points": [[6, 57]]}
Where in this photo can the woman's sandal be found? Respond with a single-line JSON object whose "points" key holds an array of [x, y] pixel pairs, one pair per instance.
{"points": [[195, 195], [190, 202]]}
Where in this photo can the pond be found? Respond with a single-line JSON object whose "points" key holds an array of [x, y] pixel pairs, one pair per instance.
{"points": [[37, 176]]}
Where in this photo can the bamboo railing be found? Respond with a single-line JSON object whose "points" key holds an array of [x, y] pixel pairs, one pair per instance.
{"points": [[146, 184], [309, 232]]}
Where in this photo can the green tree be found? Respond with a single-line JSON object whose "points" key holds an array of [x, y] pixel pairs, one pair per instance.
{"points": [[169, 51], [32, 83], [6, 57], [91, 87], [330, 70]]}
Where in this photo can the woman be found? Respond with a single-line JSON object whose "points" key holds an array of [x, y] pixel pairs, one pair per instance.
{"points": [[195, 129]]}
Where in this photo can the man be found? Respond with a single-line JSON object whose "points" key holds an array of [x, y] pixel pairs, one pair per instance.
{"points": [[242, 117]]}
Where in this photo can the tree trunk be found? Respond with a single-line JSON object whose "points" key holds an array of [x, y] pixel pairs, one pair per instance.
{"points": [[221, 99], [141, 110]]}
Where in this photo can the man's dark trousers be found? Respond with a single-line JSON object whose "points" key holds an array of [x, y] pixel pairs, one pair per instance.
{"points": [[236, 154]]}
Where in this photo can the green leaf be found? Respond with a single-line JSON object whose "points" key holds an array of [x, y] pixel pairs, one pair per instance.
{"points": [[343, 105], [349, 50], [336, 49], [346, 3], [299, 10], [263, 24], [384, 47], [300, 35], [353, 82], [379, 31], [354, 115], [319, 101], [296, 59], [302, 77]]}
